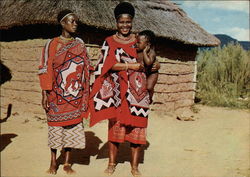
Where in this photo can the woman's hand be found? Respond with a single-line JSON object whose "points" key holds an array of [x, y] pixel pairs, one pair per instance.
{"points": [[156, 66], [45, 103], [126, 66], [136, 66]]}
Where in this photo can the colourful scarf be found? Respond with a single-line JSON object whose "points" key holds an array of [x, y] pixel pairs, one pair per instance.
{"points": [[120, 95], [64, 73]]}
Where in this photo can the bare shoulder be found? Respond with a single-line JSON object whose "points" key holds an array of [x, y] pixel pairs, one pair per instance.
{"points": [[152, 53]]}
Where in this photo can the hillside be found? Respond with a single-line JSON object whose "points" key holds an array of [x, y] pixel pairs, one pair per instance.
{"points": [[226, 39], [245, 44]]}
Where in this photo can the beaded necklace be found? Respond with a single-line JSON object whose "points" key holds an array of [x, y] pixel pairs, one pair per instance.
{"points": [[123, 38], [66, 39]]}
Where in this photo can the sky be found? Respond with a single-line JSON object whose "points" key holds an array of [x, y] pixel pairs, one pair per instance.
{"points": [[220, 17]]}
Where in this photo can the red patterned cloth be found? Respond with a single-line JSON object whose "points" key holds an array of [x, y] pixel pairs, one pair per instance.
{"points": [[64, 73], [120, 133], [119, 95]]}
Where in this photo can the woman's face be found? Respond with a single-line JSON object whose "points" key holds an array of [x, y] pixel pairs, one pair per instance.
{"points": [[70, 23], [124, 24]]}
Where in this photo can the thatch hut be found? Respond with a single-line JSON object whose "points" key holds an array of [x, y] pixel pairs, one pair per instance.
{"points": [[178, 37]]}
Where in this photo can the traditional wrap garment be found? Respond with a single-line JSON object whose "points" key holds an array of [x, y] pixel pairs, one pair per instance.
{"points": [[64, 73], [120, 96]]}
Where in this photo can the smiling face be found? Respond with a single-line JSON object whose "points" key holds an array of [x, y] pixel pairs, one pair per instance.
{"points": [[124, 24], [141, 43], [69, 24]]}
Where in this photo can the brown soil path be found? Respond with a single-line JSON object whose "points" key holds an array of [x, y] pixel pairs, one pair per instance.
{"points": [[215, 145]]}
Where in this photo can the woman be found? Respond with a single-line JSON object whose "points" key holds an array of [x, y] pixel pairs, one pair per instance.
{"points": [[119, 92], [64, 79]]}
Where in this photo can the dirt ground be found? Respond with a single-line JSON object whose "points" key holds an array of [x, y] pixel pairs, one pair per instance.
{"points": [[216, 144]]}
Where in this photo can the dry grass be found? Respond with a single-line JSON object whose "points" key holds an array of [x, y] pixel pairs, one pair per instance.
{"points": [[224, 76]]}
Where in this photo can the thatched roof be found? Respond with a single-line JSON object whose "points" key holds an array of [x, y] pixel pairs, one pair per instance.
{"points": [[163, 17]]}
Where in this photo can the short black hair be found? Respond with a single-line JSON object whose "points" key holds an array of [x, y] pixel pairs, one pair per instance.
{"points": [[150, 35], [124, 8], [62, 13]]}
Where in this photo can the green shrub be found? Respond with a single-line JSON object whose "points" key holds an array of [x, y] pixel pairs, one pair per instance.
{"points": [[224, 76]]}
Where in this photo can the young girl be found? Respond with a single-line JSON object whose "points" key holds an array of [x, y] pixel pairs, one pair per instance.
{"points": [[64, 80], [146, 54]]}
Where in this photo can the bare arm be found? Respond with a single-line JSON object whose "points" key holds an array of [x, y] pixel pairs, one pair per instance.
{"points": [[126, 66], [148, 56], [45, 103], [156, 66]]}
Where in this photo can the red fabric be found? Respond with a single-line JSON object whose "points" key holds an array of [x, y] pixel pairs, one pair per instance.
{"points": [[120, 133], [97, 116], [120, 110], [64, 73], [46, 77], [69, 122]]}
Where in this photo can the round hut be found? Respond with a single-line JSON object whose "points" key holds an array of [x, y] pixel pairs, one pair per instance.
{"points": [[25, 25]]}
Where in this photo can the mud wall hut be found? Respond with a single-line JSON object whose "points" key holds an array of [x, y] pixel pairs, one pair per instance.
{"points": [[178, 39]]}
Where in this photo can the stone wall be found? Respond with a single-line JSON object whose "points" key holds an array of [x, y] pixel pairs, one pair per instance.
{"points": [[175, 88]]}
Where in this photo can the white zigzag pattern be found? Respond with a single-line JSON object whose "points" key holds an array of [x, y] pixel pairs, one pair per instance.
{"points": [[140, 111], [118, 53], [100, 103], [105, 48], [68, 139], [129, 58], [80, 139], [54, 137], [98, 72], [73, 137], [117, 92]]}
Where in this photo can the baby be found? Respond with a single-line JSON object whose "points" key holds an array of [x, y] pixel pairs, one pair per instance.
{"points": [[146, 53]]}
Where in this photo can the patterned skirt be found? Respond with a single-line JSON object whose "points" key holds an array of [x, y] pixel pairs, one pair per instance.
{"points": [[120, 133], [71, 136]]}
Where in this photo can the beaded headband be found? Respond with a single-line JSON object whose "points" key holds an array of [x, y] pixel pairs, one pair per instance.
{"points": [[66, 16]]}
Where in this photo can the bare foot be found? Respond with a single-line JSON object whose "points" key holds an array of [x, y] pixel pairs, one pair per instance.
{"points": [[110, 169], [52, 169], [67, 168], [135, 172]]}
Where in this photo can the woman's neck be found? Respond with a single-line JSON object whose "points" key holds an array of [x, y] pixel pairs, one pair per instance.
{"points": [[125, 37], [125, 40], [65, 36]]}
